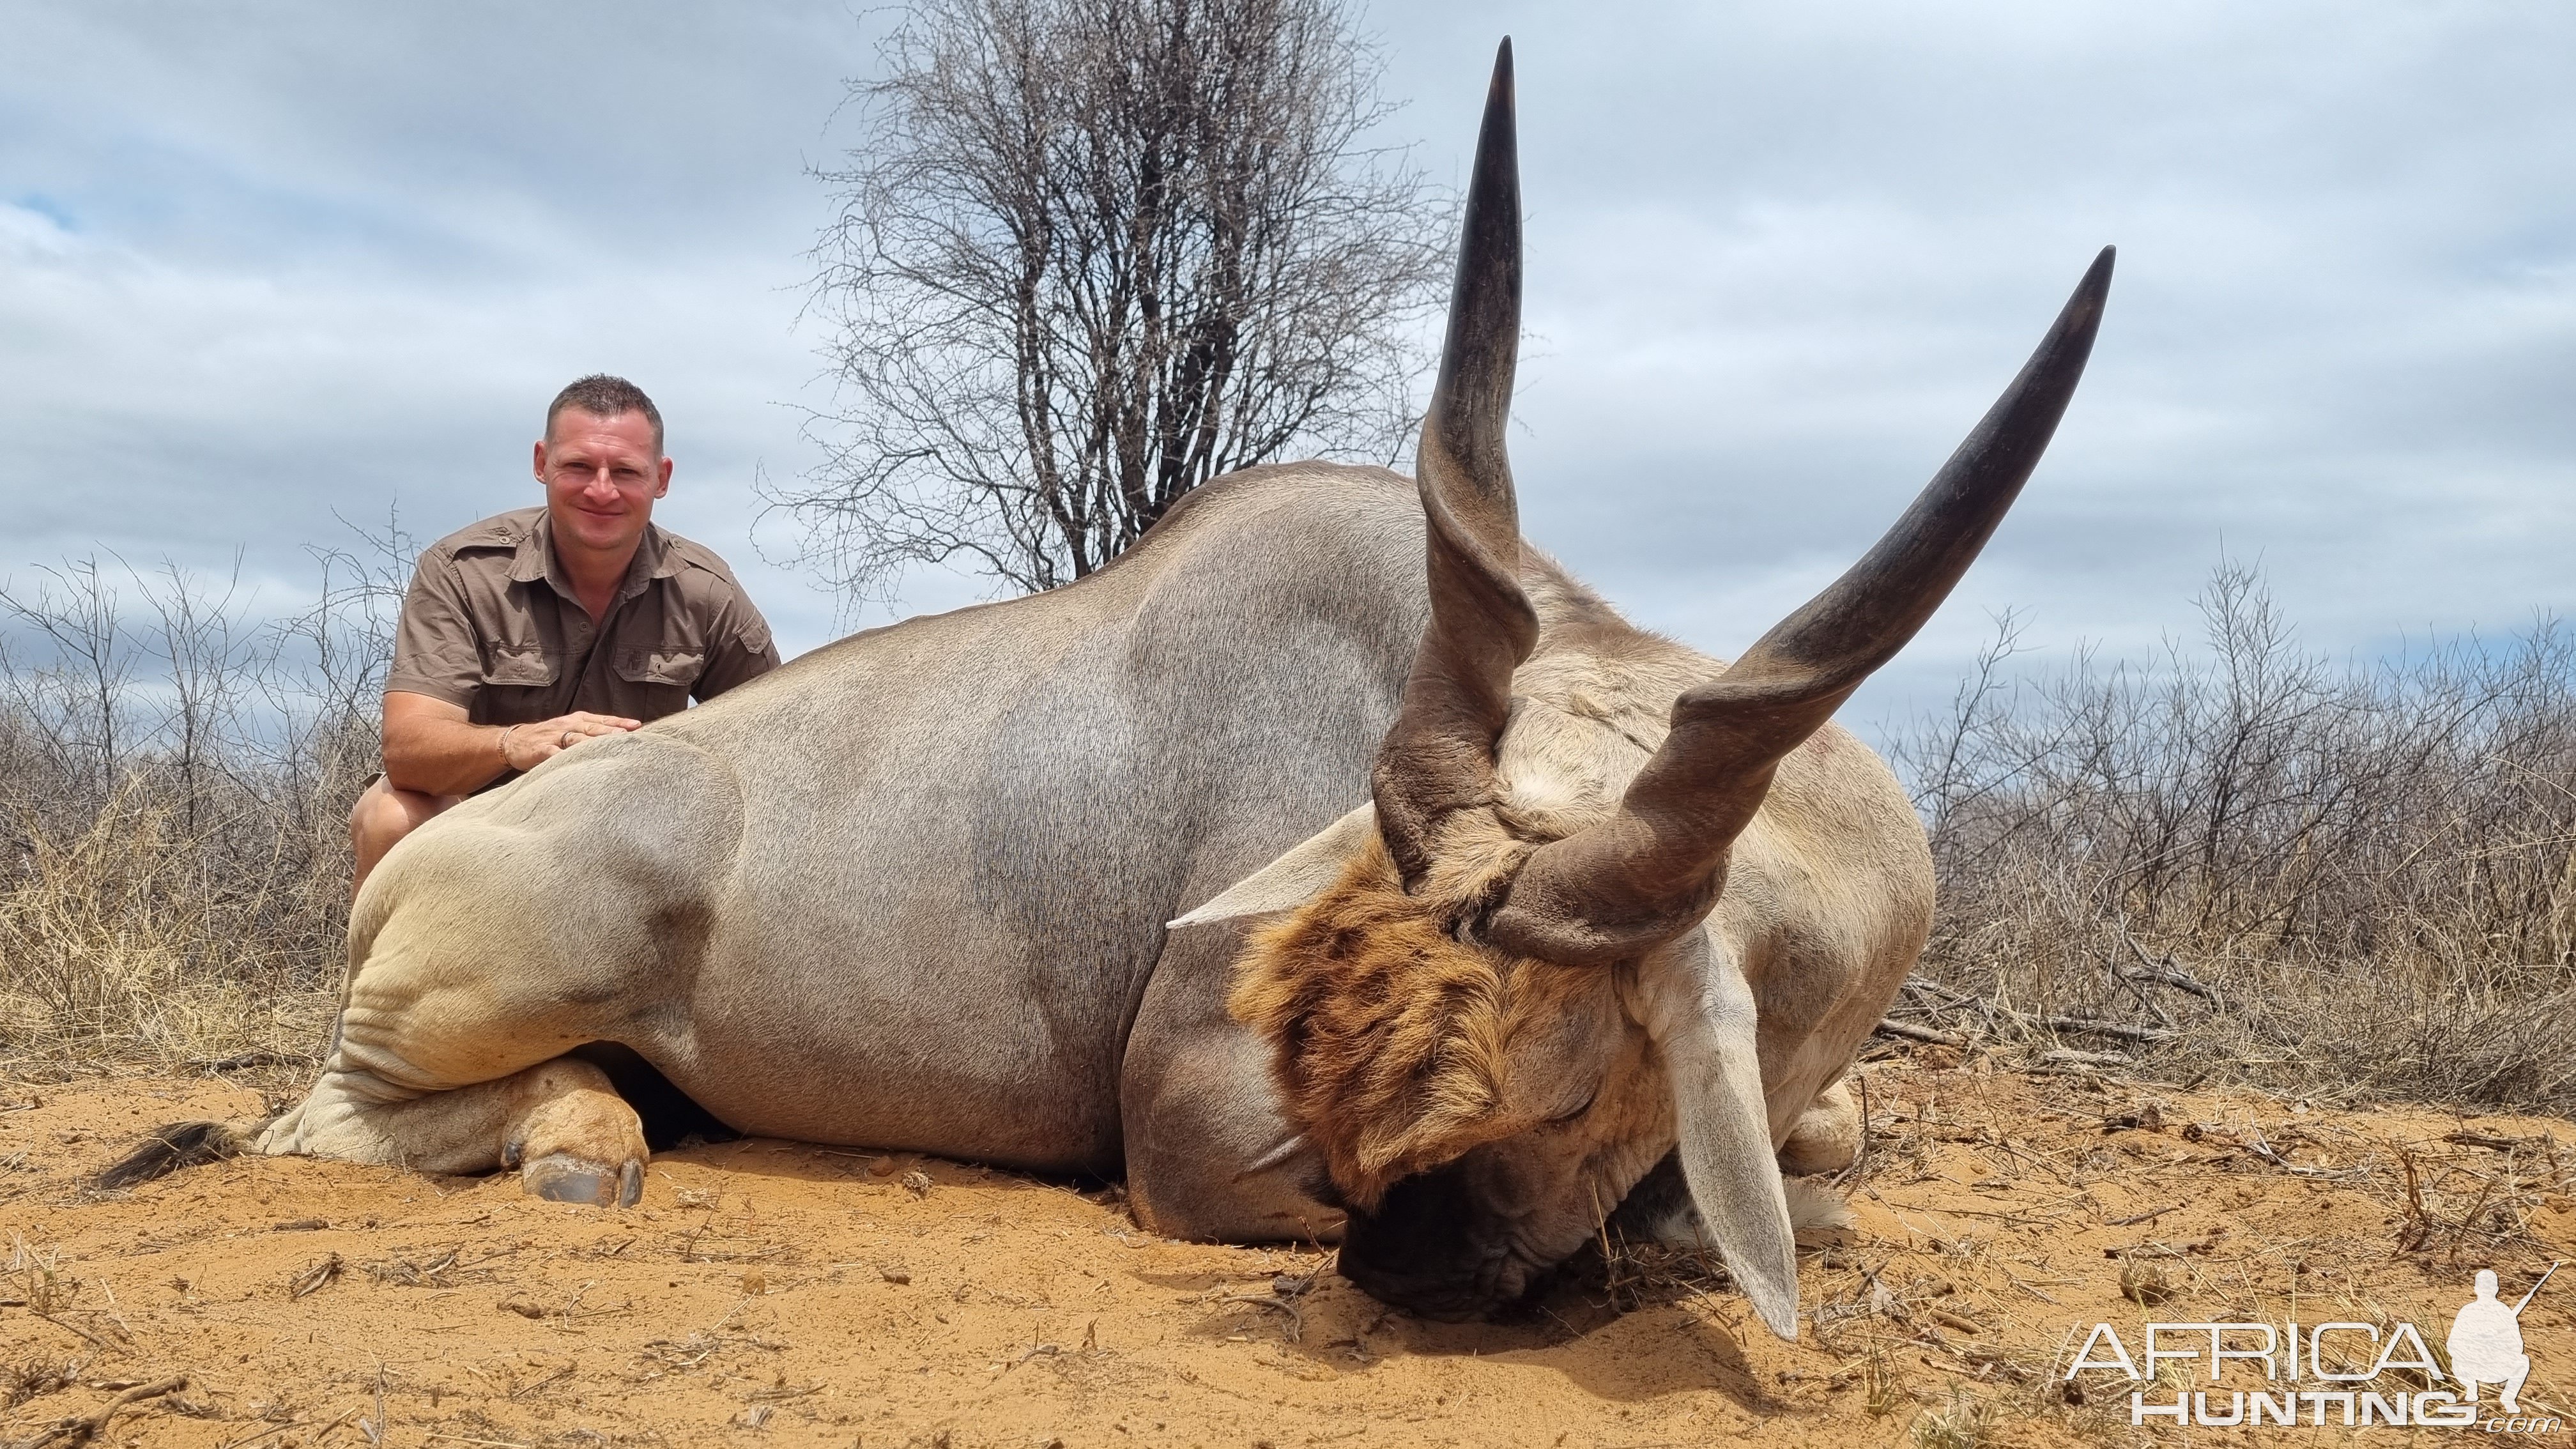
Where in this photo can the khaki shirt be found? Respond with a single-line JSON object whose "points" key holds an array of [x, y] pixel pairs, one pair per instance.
{"points": [[492, 625]]}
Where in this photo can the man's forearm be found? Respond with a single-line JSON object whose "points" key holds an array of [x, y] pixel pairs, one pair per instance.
{"points": [[443, 757], [430, 748]]}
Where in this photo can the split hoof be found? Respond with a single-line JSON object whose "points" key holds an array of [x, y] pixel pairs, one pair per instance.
{"points": [[560, 1177]]}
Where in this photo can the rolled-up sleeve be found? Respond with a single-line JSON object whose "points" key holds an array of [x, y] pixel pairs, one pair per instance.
{"points": [[434, 649], [739, 648]]}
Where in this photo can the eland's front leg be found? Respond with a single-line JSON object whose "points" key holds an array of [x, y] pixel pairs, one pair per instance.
{"points": [[1827, 1136], [450, 1052], [505, 933], [560, 1123]]}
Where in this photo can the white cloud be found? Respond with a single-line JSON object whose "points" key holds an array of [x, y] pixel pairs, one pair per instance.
{"points": [[263, 264]]}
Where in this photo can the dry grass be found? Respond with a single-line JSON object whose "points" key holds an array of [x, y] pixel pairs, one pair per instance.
{"points": [[174, 790], [2246, 862]]}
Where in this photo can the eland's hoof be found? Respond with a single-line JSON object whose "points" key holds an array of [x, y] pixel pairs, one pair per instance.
{"points": [[560, 1177]]}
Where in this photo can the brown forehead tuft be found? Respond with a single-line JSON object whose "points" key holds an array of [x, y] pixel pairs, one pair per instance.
{"points": [[1389, 1035]]}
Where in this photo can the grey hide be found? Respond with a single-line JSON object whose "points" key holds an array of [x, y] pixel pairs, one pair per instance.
{"points": [[909, 891]]}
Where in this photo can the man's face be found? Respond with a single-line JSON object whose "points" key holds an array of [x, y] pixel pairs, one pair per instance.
{"points": [[601, 477]]}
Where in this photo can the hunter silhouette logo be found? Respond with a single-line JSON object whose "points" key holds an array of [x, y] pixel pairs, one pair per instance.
{"points": [[2259, 1374], [2486, 1341]]}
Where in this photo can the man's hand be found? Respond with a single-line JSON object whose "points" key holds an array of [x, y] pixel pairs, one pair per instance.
{"points": [[430, 747], [527, 746]]}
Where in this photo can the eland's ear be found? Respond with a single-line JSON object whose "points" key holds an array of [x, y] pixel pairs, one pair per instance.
{"points": [[1295, 878], [1702, 1018]]}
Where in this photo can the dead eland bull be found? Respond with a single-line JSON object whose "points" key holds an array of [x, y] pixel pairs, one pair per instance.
{"points": [[917, 890]]}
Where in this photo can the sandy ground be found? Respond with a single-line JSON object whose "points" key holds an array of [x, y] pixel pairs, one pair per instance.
{"points": [[769, 1292]]}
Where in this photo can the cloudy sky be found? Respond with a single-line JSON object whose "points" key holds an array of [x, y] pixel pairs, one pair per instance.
{"points": [[264, 266]]}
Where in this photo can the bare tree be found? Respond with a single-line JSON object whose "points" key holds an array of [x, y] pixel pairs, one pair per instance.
{"points": [[1088, 257]]}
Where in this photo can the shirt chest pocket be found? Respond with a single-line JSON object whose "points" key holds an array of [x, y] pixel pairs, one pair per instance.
{"points": [[664, 664], [519, 667]]}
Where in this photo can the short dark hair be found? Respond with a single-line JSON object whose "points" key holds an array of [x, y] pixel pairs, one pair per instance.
{"points": [[603, 396]]}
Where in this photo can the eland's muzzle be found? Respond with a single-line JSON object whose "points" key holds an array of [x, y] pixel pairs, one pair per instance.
{"points": [[1429, 1249]]}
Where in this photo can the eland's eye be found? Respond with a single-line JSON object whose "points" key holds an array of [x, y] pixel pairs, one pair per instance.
{"points": [[1561, 1118]]}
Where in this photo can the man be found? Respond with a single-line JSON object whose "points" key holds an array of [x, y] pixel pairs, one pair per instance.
{"points": [[528, 633]]}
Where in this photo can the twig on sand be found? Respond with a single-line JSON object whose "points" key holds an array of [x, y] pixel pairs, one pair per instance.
{"points": [[314, 1278], [2069, 1057], [1924, 1034], [376, 1428], [2025, 1287], [558, 1376], [271, 1432], [74, 1327], [2264, 1152], [80, 1430], [2148, 1216], [1296, 1319], [246, 1060], [2490, 1142], [2085, 1026], [124, 1329], [1860, 1159]]}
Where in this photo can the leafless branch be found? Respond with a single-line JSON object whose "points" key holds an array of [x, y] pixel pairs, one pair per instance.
{"points": [[1087, 258]]}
